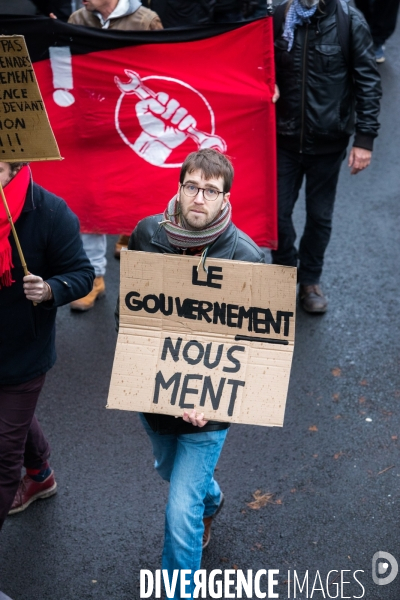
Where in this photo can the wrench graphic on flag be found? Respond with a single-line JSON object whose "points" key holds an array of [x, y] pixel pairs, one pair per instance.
{"points": [[165, 123]]}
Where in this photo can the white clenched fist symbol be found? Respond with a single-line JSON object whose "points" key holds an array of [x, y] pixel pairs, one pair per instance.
{"points": [[165, 124]]}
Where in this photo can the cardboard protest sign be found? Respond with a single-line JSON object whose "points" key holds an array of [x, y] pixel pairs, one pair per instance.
{"points": [[221, 342], [25, 131]]}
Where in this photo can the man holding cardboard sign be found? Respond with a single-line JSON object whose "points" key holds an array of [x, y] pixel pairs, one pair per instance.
{"points": [[196, 222]]}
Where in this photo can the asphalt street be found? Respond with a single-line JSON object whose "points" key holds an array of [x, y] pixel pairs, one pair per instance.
{"points": [[333, 470]]}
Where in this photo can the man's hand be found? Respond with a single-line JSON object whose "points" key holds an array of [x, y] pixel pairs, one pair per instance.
{"points": [[36, 289], [276, 95], [359, 159], [195, 419]]}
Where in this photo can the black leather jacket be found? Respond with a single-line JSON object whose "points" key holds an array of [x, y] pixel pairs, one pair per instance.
{"points": [[323, 96], [233, 244]]}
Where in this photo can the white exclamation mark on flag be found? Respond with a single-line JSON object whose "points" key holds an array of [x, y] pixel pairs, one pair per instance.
{"points": [[61, 64]]}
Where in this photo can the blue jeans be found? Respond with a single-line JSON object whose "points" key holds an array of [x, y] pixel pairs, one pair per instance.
{"points": [[95, 246], [187, 461]]}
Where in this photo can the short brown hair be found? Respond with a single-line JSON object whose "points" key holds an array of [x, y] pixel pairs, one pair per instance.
{"points": [[211, 163], [16, 166]]}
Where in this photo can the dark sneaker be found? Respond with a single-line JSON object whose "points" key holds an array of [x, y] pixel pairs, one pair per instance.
{"points": [[208, 522], [30, 490], [312, 299], [380, 54]]}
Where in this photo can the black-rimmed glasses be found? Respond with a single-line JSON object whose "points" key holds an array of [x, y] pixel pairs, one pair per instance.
{"points": [[190, 190]]}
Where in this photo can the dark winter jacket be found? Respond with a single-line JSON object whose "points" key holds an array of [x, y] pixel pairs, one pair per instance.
{"points": [[48, 232], [324, 97], [233, 244], [186, 13], [183, 13]]}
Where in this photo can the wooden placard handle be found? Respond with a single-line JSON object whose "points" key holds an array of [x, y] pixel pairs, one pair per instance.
{"points": [[15, 235]]}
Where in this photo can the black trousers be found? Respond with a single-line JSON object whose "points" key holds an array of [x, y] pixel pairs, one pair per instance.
{"points": [[381, 16], [322, 174], [22, 442]]}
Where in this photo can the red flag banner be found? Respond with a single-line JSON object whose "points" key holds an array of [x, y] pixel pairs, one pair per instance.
{"points": [[126, 108]]}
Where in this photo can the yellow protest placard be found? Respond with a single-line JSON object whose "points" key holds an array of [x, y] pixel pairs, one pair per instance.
{"points": [[25, 131]]}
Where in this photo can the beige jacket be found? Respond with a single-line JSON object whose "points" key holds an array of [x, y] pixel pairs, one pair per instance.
{"points": [[142, 19]]}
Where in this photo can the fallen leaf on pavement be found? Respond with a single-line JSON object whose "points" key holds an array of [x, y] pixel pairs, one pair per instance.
{"points": [[335, 397], [336, 372], [338, 455], [313, 428], [261, 500], [364, 382]]}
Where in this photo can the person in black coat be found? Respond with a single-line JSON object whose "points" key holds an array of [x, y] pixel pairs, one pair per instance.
{"points": [[60, 271], [381, 17], [60, 9], [186, 13], [329, 89]]}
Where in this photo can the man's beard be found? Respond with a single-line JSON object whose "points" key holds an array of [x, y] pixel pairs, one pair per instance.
{"points": [[191, 223]]}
